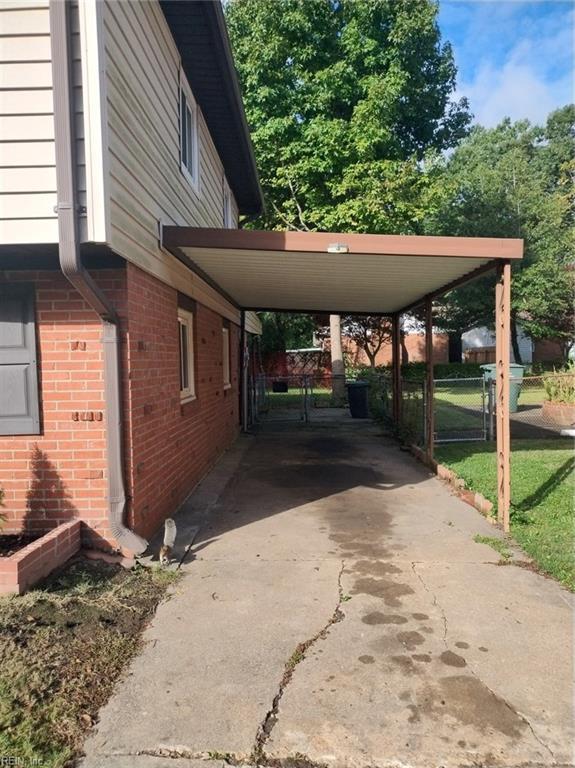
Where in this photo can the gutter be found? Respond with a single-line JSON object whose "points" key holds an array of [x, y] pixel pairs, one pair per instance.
{"points": [[72, 267]]}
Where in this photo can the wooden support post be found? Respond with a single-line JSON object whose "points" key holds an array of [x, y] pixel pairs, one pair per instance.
{"points": [[429, 388], [502, 353], [396, 368]]}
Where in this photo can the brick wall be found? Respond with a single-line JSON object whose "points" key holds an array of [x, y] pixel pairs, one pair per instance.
{"points": [[172, 445], [414, 345], [61, 474]]}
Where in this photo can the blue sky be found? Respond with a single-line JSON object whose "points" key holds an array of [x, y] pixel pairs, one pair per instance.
{"points": [[514, 57]]}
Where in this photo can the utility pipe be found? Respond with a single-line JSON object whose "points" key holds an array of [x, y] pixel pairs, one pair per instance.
{"points": [[72, 267]]}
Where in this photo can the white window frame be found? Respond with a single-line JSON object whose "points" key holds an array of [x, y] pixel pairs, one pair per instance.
{"points": [[228, 217], [186, 325], [226, 358], [191, 107]]}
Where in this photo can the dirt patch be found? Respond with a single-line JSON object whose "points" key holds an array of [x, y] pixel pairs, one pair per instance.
{"points": [[461, 644], [366, 659], [12, 543], [424, 657], [62, 647], [420, 616], [382, 618]]}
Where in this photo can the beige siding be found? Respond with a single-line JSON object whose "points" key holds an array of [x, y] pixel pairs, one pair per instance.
{"points": [[146, 183], [27, 159]]}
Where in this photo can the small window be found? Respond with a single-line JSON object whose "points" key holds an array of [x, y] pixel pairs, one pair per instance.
{"points": [[188, 134], [19, 400], [226, 357], [186, 343], [227, 213]]}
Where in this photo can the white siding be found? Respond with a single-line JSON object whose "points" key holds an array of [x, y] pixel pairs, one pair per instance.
{"points": [[27, 159], [146, 183]]}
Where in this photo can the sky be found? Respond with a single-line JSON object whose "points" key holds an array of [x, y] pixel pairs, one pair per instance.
{"points": [[514, 57]]}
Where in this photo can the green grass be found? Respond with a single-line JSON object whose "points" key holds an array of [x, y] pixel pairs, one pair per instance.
{"points": [[62, 647], [542, 492], [497, 544], [320, 398]]}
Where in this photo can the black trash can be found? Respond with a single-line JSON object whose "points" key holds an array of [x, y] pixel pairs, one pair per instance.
{"points": [[357, 392], [280, 386]]}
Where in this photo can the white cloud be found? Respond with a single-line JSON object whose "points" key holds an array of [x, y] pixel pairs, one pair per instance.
{"points": [[517, 91], [529, 80]]}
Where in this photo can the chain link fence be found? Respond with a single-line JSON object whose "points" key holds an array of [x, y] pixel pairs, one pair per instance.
{"points": [[464, 408]]}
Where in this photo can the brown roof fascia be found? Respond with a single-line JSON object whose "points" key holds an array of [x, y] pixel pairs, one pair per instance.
{"points": [[319, 242]]}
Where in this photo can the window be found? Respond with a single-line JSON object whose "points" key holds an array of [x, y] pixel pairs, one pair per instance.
{"points": [[19, 402], [188, 134], [228, 213], [226, 356], [186, 342]]}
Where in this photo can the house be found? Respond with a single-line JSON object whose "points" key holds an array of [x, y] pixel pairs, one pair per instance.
{"points": [[119, 364]]}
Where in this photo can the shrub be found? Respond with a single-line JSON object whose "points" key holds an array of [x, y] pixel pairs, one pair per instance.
{"points": [[416, 371], [560, 385]]}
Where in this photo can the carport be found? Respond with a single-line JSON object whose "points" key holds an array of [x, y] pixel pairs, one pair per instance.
{"points": [[337, 273]]}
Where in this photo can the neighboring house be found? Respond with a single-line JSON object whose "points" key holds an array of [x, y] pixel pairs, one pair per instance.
{"points": [[119, 365], [479, 347]]}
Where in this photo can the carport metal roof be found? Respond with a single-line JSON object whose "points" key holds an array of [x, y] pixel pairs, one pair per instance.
{"points": [[333, 272]]}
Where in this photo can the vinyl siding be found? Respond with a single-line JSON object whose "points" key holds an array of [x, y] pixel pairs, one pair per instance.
{"points": [[146, 183], [27, 158]]}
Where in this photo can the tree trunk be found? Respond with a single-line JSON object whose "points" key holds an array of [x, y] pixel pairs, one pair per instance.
{"points": [[337, 366], [404, 352], [455, 347], [515, 342], [370, 356]]}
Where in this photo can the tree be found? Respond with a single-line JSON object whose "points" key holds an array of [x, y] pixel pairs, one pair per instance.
{"points": [[368, 332], [344, 99], [284, 330], [513, 180]]}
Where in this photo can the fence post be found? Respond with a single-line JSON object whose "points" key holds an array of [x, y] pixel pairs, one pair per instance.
{"points": [[502, 338], [429, 420]]}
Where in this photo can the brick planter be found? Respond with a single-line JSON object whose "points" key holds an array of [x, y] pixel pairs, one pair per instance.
{"points": [[29, 565], [559, 413]]}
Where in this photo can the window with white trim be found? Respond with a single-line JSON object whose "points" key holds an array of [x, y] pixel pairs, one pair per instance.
{"points": [[227, 212], [189, 154], [186, 344], [226, 357]]}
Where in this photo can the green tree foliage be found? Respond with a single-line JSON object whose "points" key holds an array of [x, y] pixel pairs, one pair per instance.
{"points": [[515, 180], [344, 98], [283, 330]]}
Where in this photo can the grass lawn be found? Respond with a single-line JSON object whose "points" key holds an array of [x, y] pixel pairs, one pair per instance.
{"points": [[542, 492], [320, 398], [62, 647]]}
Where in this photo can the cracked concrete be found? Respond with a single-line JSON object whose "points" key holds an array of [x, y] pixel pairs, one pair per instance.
{"points": [[431, 657]]}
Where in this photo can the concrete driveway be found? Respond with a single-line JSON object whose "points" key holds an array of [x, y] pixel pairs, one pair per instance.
{"points": [[337, 611]]}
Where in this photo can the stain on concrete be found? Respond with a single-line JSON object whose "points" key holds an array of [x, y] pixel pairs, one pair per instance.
{"points": [[414, 717], [389, 591], [427, 630], [424, 657], [410, 639], [483, 649], [405, 664], [461, 644], [376, 617], [470, 702], [375, 568], [453, 659], [420, 616], [366, 659]]}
